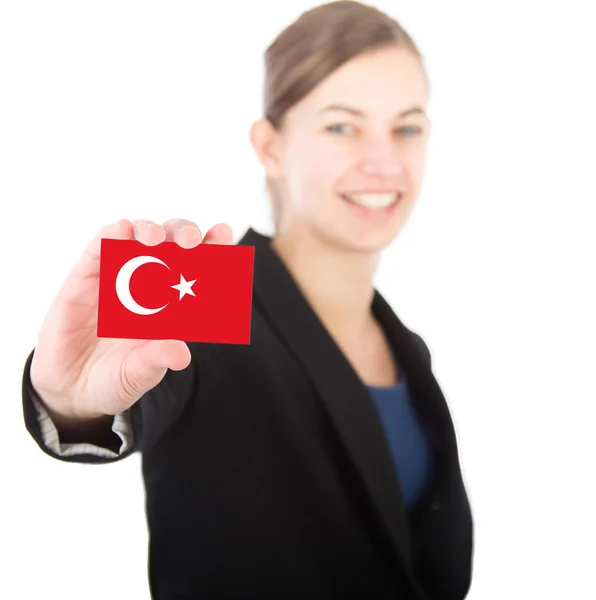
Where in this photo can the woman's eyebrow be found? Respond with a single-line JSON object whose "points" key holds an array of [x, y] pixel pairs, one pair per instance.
{"points": [[359, 113]]}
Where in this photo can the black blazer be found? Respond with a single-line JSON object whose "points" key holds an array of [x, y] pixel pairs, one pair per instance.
{"points": [[267, 473]]}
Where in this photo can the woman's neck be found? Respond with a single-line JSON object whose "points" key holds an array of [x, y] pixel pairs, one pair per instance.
{"points": [[337, 282]]}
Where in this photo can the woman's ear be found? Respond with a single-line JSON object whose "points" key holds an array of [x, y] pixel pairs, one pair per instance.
{"points": [[265, 140]]}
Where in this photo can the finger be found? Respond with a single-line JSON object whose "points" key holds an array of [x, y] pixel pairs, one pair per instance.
{"points": [[122, 230], [184, 232], [221, 233], [149, 232]]}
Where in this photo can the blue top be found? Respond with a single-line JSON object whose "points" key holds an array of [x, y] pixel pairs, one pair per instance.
{"points": [[405, 435]]}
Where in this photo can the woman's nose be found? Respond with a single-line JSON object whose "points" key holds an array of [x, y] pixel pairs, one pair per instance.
{"points": [[382, 159]]}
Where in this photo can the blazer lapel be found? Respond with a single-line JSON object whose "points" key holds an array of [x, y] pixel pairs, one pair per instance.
{"points": [[346, 398]]}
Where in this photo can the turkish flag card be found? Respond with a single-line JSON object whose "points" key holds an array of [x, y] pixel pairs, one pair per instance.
{"points": [[166, 292]]}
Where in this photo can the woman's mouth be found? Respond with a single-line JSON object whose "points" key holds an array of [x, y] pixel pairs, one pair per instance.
{"points": [[373, 205]]}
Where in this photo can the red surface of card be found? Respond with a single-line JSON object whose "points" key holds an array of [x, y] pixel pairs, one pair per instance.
{"points": [[201, 294]]}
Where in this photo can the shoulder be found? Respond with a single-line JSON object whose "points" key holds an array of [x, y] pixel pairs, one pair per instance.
{"points": [[422, 345]]}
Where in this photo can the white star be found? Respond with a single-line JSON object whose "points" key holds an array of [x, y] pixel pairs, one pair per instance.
{"points": [[184, 287]]}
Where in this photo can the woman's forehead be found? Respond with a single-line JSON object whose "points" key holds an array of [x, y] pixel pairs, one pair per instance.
{"points": [[386, 102], [369, 82]]}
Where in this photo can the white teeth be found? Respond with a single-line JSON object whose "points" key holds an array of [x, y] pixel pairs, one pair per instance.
{"points": [[373, 200]]}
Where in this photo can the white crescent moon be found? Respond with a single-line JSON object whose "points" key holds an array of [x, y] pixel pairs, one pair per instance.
{"points": [[123, 284]]}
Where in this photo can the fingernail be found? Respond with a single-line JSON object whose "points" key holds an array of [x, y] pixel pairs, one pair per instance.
{"points": [[189, 227]]}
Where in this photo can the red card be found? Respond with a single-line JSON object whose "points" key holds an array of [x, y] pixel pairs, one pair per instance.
{"points": [[201, 294]]}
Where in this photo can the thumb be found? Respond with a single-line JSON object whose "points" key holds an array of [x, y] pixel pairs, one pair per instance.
{"points": [[145, 366]]}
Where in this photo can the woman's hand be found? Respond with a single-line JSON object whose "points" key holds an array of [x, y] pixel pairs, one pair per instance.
{"points": [[81, 378]]}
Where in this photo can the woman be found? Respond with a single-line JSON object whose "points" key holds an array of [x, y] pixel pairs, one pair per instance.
{"points": [[319, 461]]}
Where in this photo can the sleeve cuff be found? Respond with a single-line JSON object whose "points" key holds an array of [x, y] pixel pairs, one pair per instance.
{"points": [[122, 427]]}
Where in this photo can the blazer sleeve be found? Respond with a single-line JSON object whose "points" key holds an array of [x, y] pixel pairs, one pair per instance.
{"points": [[137, 429]]}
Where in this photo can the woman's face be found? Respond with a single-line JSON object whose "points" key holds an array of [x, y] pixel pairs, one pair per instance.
{"points": [[363, 130]]}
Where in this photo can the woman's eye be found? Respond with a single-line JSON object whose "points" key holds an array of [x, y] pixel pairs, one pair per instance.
{"points": [[410, 130], [337, 126], [345, 128]]}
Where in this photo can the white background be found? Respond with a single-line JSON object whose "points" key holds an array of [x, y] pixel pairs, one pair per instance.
{"points": [[142, 110]]}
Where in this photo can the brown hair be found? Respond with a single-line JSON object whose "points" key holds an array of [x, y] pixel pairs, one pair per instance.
{"points": [[312, 47]]}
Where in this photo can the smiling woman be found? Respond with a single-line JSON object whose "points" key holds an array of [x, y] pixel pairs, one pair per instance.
{"points": [[354, 81], [319, 460]]}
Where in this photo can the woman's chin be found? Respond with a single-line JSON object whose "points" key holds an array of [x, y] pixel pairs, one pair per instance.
{"points": [[362, 241]]}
